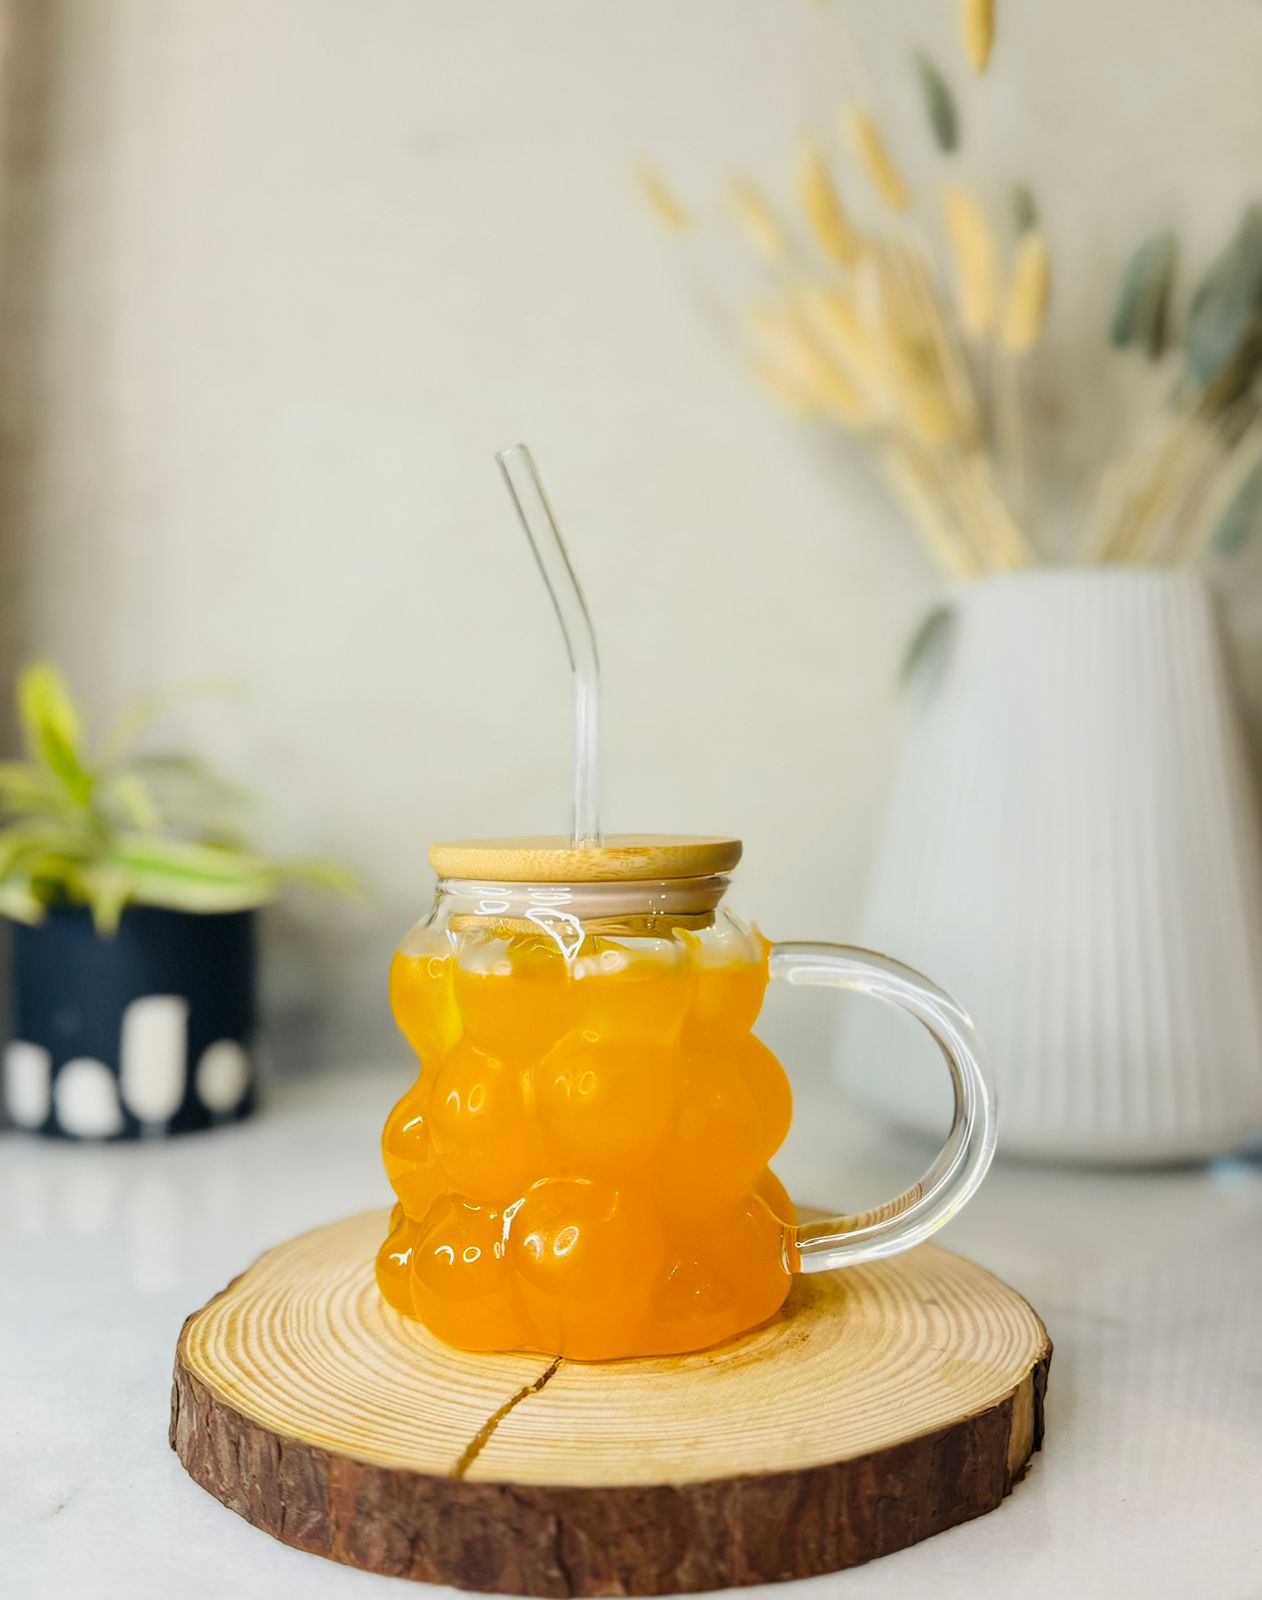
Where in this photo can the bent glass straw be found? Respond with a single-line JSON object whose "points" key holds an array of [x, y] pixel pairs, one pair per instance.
{"points": [[522, 478]]}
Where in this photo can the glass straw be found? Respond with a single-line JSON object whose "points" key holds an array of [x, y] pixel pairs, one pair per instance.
{"points": [[522, 478]]}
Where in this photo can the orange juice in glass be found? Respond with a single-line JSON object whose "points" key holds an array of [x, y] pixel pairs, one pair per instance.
{"points": [[582, 1166]]}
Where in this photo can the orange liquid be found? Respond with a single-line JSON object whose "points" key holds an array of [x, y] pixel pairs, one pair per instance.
{"points": [[581, 1167]]}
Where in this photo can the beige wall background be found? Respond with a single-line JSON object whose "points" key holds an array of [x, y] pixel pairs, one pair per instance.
{"points": [[282, 274]]}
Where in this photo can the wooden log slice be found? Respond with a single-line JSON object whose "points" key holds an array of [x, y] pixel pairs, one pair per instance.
{"points": [[881, 1405]]}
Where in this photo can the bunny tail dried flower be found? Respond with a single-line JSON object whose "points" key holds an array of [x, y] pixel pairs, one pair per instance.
{"points": [[832, 229], [661, 202], [973, 250], [1025, 309], [978, 26], [757, 220], [871, 154], [789, 351]]}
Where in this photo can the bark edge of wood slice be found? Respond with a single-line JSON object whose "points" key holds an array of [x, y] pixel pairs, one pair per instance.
{"points": [[882, 1405]]}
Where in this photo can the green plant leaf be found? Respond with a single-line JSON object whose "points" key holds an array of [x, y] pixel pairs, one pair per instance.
{"points": [[200, 896], [19, 902], [26, 788], [1240, 520], [44, 702], [123, 732], [26, 841], [204, 877], [1142, 310], [130, 797], [926, 650], [326, 875], [170, 773], [185, 858], [107, 891], [939, 103], [1224, 310], [180, 768], [193, 800], [50, 724], [1025, 213]]}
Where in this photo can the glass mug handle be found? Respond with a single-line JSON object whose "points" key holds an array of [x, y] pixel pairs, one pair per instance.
{"points": [[959, 1166]]}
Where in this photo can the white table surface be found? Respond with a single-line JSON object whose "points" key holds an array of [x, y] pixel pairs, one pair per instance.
{"points": [[1149, 1483]]}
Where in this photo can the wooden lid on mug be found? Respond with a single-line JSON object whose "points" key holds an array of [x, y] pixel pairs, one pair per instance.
{"points": [[618, 858]]}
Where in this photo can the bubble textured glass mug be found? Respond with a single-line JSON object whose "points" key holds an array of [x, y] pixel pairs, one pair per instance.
{"points": [[581, 1167]]}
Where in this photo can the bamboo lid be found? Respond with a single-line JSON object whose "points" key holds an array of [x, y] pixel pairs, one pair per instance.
{"points": [[619, 857]]}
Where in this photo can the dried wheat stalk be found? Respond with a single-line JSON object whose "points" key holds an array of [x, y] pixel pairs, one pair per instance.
{"points": [[859, 325], [978, 27]]}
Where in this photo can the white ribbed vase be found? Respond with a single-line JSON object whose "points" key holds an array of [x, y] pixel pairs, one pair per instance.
{"points": [[1073, 850]]}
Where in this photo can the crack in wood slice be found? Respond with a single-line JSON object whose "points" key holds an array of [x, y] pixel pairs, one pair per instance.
{"points": [[880, 1406], [480, 1439]]}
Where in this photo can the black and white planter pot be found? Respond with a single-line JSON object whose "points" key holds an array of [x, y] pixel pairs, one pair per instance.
{"points": [[150, 1032]]}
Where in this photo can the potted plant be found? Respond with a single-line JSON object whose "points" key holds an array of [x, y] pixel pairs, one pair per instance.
{"points": [[132, 894]]}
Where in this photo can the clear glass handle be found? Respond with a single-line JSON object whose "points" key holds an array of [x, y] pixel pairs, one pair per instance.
{"points": [[962, 1162]]}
